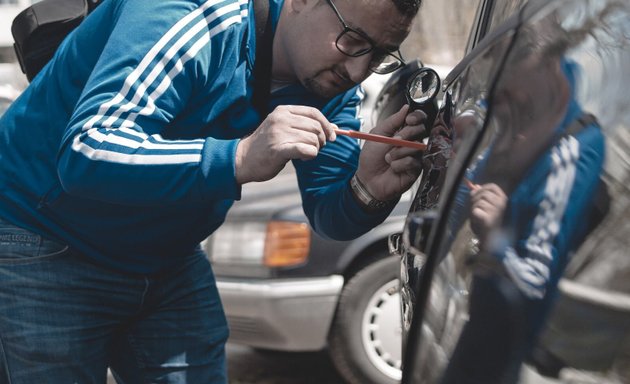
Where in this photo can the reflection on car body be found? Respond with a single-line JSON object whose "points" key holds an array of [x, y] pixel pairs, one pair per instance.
{"points": [[520, 221]]}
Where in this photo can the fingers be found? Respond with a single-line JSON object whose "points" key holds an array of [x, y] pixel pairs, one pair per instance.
{"points": [[302, 131], [484, 208], [488, 204], [403, 155], [289, 132], [309, 130], [413, 131], [414, 128], [316, 121], [399, 153], [416, 117], [300, 151], [390, 125], [488, 192], [282, 125], [405, 164]]}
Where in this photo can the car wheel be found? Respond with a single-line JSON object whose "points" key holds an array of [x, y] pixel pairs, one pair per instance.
{"points": [[365, 337]]}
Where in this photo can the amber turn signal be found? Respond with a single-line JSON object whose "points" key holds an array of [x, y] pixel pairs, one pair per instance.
{"points": [[286, 243]]}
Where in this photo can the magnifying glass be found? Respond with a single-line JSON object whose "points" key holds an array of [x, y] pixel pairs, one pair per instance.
{"points": [[422, 90]]}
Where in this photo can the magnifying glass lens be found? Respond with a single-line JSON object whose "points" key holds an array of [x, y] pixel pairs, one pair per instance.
{"points": [[422, 90], [423, 87]]}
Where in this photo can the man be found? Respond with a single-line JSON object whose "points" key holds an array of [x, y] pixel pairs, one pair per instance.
{"points": [[131, 145]]}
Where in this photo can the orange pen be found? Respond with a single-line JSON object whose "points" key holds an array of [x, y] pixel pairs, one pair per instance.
{"points": [[471, 185], [381, 139]]}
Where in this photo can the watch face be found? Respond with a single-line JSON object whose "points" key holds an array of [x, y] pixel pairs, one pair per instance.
{"points": [[377, 204]]}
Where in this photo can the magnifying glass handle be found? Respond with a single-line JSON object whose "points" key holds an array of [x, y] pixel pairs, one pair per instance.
{"points": [[382, 139]]}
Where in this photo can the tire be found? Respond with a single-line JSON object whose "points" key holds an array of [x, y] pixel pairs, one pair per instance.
{"points": [[365, 337]]}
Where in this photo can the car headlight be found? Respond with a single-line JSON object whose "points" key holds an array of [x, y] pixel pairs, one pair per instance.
{"points": [[273, 244], [237, 243], [286, 243]]}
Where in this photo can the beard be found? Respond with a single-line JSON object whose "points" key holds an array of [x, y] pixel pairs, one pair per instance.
{"points": [[314, 85]]}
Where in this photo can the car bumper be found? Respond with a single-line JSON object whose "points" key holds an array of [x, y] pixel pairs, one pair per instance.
{"points": [[288, 315]]}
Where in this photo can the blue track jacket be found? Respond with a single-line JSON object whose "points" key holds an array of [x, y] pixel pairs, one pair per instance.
{"points": [[123, 146], [548, 213]]}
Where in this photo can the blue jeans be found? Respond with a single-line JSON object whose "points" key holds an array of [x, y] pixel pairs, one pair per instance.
{"points": [[64, 319]]}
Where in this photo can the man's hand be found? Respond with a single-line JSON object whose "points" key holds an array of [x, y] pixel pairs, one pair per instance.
{"points": [[488, 202], [388, 171], [289, 132]]}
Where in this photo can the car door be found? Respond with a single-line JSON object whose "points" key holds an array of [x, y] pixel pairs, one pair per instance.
{"points": [[519, 223], [477, 71]]}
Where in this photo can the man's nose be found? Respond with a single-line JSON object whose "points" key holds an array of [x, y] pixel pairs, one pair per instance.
{"points": [[358, 67]]}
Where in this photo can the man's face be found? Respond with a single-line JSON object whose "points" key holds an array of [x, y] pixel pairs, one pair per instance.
{"points": [[527, 100], [310, 50], [531, 100]]}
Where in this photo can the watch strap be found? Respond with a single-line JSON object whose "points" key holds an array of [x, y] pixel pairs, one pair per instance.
{"points": [[368, 202]]}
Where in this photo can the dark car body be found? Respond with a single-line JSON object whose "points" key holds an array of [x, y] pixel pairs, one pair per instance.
{"points": [[533, 281]]}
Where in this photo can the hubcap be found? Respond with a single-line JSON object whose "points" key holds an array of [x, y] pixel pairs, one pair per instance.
{"points": [[381, 330]]}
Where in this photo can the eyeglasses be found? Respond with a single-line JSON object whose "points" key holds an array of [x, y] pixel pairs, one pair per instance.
{"points": [[355, 43]]}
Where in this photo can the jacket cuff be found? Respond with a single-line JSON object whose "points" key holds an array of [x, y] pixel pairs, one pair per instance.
{"points": [[218, 169]]}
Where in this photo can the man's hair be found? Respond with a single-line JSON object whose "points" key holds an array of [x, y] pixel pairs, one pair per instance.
{"points": [[408, 7], [550, 39]]}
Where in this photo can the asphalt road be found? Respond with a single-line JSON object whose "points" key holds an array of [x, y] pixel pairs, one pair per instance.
{"points": [[249, 366]]}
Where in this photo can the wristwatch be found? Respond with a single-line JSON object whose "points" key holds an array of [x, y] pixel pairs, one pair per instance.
{"points": [[365, 198]]}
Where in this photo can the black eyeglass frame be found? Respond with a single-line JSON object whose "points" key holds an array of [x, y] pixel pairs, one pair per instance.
{"points": [[371, 48]]}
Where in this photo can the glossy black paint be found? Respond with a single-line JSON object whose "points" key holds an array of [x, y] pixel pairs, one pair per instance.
{"points": [[538, 110]]}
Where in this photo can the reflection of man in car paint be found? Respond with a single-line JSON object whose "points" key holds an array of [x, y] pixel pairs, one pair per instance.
{"points": [[530, 199], [531, 193]]}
